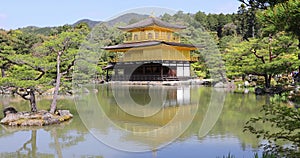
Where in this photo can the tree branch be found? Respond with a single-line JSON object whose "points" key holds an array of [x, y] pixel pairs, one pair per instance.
{"points": [[22, 95], [40, 69], [69, 67], [40, 76], [274, 56], [243, 1], [258, 56]]}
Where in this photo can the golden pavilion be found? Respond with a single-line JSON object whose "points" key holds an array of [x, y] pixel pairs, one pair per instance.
{"points": [[152, 51]]}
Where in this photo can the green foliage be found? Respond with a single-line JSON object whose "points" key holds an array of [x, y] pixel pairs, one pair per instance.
{"points": [[45, 31], [223, 24], [261, 4], [277, 98], [22, 42], [22, 67], [284, 137], [26, 56], [29, 62], [264, 155], [265, 57], [68, 44], [249, 26], [201, 17], [282, 17], [91, 57], [200, 69]]}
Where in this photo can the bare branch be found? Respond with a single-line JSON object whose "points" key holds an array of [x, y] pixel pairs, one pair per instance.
{"points": [[274, 56], [40, 76], [258, 56]]}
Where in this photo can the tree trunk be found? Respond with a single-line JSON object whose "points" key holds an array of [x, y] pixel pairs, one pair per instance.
{"points": [[33, 143], [56, 143], [268, 80], [223, 77], [57, 85], [2, 72], [299, 53], [32, 100], [253, 27]]}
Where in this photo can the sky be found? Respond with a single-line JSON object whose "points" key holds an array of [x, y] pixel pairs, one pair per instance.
{"points": [[21, 13]]}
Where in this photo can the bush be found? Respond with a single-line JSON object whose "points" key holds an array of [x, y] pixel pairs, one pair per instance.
{"points": [[285, 127]]}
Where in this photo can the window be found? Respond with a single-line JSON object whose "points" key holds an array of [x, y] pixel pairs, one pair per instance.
{"points": [[156, 35], [169, 36], [135, 37], [150, 36]]}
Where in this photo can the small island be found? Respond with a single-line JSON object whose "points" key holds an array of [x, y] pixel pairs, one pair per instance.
{"points": [[39, 118]]}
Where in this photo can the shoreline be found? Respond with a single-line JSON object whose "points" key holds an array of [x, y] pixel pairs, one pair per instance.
{"points": [[161, 83]]}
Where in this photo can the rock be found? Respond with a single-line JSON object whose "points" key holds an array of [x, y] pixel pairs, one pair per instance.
{"points": [[51, 121], [9, 110], [231, 85], [46, 116], [259, 91], [39, 118], [246, 84], [219, 85], [274, 90], [64, 112], [32, 122], [10, 117], [85, 90]]}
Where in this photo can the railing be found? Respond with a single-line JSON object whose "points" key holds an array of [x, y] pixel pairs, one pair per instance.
{"points": [[137, 78], [194, 59], [159, 38], [115, 60], [148, 78]]}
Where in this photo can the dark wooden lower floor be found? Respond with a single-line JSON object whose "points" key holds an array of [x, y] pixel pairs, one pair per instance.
{"points": [[151, 71]]}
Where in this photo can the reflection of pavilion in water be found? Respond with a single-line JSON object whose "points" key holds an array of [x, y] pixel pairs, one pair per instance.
{"points": [[169, 96], [177, 111], [179, 96]]}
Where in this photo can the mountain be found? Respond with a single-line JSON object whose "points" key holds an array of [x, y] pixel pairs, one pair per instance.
{"points": [[38, 30], [126, 18], [91, 23]]}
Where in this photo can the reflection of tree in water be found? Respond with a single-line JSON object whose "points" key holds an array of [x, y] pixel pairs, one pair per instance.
{"points": [[66, 139], [32, 141], [28, 149], [237, 110], [63, 136], [61, 139], [67, 135]]}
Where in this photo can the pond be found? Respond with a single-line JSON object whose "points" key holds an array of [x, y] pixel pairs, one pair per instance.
{"points": [[139, 121]]}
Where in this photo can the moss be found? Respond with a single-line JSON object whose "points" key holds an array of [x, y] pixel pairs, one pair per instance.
{"points": [[40, 118]]}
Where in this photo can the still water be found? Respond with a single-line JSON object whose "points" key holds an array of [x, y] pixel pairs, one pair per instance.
{"points": [[152, 121]]}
